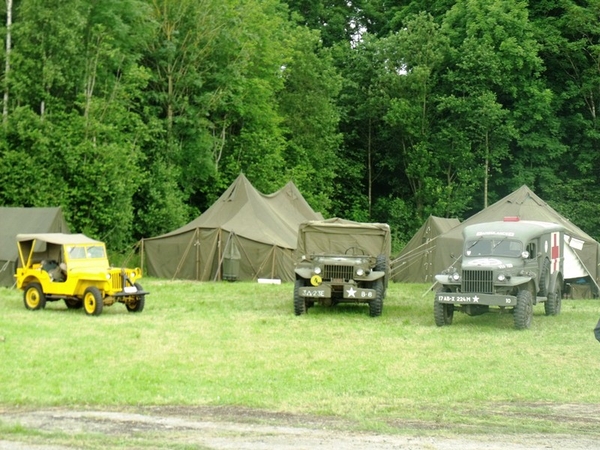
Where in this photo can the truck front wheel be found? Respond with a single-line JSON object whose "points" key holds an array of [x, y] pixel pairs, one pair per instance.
{"points": [[376, 305], [299, 302], [524, 310], [443, 313]]}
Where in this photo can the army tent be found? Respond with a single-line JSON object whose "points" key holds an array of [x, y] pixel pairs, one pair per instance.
{"points": [[415, 264], [24, 220], [244, 235], [582, 255]]}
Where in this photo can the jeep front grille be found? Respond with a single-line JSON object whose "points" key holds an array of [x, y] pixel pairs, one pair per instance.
{"points": [[481, 281], [339, 272], [116, 281]]}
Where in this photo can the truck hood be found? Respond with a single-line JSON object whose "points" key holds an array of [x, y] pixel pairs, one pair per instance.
{"points": [[491, 262]]}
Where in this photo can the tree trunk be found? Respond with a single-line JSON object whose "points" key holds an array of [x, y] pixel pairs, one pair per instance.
{"points": [[9, 4]]}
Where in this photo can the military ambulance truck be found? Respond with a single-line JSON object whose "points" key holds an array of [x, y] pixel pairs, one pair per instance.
{"points": [[508, 265]]}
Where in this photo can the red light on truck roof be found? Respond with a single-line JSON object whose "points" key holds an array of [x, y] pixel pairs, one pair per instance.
{"points": [[511, 219]]}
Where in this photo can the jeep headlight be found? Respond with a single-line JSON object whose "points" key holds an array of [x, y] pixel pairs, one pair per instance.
{"points": [[454, 276], [132, 275], [317, 270], [360, 271], [501, 277], [108, 276]]}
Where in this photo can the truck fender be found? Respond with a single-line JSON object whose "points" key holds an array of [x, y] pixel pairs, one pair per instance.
{"points": [[557, 277]]}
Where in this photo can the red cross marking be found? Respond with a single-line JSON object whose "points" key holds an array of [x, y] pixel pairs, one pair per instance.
{"points": [[555, 251]]}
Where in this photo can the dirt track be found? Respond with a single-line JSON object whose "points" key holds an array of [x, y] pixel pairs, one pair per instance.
{"points": [[241, 429]]}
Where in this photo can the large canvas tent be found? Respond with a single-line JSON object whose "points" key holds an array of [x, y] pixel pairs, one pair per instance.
{"points": [[24, 220], [414, 264], [244, 235], [582, 255]]}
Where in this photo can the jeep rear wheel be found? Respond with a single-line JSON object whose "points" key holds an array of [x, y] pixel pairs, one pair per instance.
{"points": [[299, 302], [524, 310], [73, 303], [376, 305], [140, 300], [92, 301], [33, 297], [553, 304]]}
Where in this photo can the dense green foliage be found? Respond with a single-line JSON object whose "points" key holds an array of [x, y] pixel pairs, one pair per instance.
{"points": [[135, 115]]}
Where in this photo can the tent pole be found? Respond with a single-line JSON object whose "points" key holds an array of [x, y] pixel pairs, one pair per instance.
{"points": [[222, 257], [207, 268], [265, 261], [187, 250], [142, 255]]}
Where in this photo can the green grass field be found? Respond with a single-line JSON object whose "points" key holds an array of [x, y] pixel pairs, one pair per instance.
{"points": [[240, 344]]}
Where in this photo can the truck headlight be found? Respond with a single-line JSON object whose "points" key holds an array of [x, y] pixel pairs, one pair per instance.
{"points": [[360, 271], [454, 277], [501, 277], [317, 270]]}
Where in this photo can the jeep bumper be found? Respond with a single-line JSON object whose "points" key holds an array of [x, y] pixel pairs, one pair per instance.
{"points": [[462, 298]]}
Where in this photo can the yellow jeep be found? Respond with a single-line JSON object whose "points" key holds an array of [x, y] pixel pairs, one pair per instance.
{"points": [[74, 268]]}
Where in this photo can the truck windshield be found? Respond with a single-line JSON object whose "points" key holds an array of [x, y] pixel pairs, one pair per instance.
{"points": [[494, 247]]}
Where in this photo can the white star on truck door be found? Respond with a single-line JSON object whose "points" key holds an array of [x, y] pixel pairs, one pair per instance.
{"points": [[351, 292]]}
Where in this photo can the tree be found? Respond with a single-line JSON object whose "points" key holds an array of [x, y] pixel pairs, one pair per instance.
{"points": [[494, 86]]}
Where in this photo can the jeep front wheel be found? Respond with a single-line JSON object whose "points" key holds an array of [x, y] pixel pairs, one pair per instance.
{"points": [[524, 310], [140, 300], [299, 302], [33, 296], [376, 305], [92, 301]]}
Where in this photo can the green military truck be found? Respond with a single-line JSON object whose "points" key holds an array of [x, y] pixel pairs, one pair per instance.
{"points": [[341, 261], [508, 265]]}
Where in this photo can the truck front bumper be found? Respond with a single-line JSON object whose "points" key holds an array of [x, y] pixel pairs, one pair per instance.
{"points": [[462, 298], [350, 292]]}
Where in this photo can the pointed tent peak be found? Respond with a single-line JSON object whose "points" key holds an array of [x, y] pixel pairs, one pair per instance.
{"points": [[522, 195], [524, 204], [291, 199], [241, 186]]}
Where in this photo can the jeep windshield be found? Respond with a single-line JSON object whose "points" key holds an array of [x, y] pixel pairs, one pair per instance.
{"points": [[501, 246], [85, 251]]}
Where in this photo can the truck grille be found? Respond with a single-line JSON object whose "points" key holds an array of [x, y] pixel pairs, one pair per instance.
{"points": [[340, 272], [481, 281]]}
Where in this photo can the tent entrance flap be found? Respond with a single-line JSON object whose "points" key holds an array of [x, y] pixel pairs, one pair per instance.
{"points": [[231, 259]]}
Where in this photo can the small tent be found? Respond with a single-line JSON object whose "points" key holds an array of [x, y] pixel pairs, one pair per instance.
{"points": [[24, 220], [415, 263], [582, 255], [244, 235]]}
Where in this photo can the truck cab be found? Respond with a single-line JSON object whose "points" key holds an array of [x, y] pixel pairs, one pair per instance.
{"points": [[509, 265]]}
